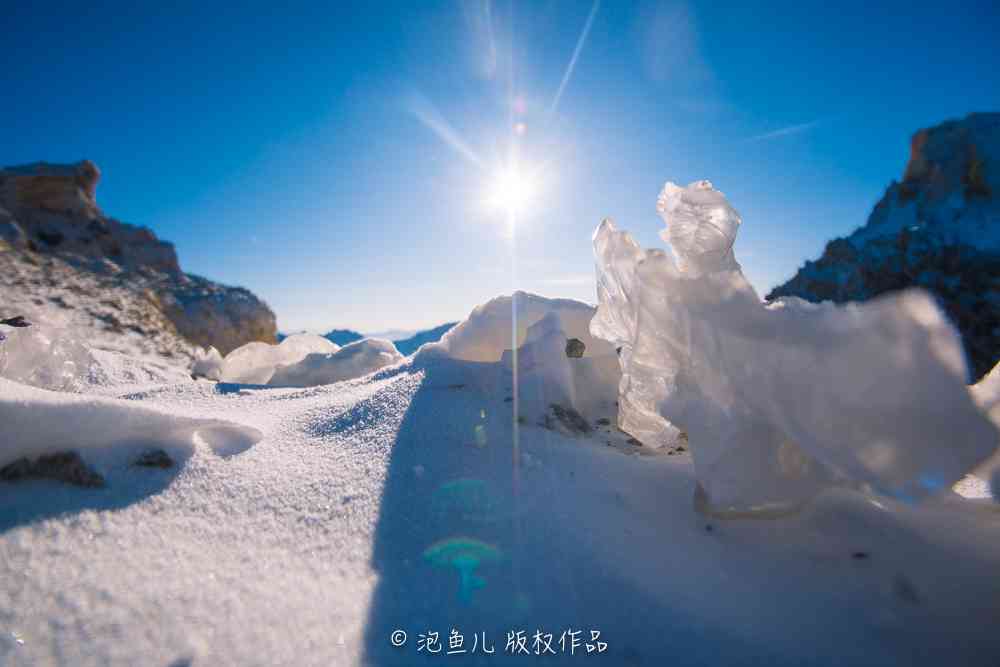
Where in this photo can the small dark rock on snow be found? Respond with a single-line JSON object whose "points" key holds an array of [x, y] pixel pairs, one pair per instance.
{"points": [[65, 467], [569, 418], [17, 322], [154, 458], [575, 348]]}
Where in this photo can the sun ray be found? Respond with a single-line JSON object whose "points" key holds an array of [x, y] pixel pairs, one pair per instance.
{"points": [[432, 119], [576, 55]]}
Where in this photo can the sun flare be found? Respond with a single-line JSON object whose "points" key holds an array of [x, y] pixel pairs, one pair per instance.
{"points": [[511, 190]]}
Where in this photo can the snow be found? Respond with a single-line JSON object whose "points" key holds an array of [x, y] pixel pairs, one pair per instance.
{"points": [[304, 525], [547, 376], [207, 364], [486, 333], [312, 545], [780, 401], [351, 361], [255, 363], [37, 422]]}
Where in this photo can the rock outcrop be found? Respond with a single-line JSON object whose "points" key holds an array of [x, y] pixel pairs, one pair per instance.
{"points": [[938, 229], [116, 283]]}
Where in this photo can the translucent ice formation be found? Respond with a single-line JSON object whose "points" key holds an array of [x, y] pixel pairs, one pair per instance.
{"points": [[46, 356], [779, 401]]}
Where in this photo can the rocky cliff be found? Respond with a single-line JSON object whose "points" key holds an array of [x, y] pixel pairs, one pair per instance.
{"points": [[938, 228], [113, 282]]}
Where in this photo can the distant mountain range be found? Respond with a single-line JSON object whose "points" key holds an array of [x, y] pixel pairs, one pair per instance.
{"points": [[406, 346], [409, 345], [939, 228]]}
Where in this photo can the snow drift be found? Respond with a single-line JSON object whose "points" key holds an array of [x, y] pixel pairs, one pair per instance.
{"points": [[255, 363], [779, 401], [489, 329], [36, 422], [351, 361], [301, 360], [537, 360]]}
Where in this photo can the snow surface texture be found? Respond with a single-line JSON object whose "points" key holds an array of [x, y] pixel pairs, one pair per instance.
{"points": [[313, 545], [780, 401], [38, 422]]}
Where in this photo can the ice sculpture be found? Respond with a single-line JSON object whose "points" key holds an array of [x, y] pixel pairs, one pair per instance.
{"points": [[782, 400]]}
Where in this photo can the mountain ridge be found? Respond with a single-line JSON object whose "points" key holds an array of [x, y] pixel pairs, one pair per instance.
{"points": [[938, 229]]}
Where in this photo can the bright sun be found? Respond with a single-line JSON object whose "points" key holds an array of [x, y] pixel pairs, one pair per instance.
{"points": [[510, 191]]}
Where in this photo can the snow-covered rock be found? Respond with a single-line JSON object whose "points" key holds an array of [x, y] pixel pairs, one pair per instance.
{"points": [[119, 285], [354, 360], [938, 229], [780, 401]]}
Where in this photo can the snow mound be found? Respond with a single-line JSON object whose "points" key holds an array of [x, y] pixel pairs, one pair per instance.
{"points": [[539, 360], [779, 401], [488, 331], [255, 363], [547, 376], [351, 361], [37, 422]]}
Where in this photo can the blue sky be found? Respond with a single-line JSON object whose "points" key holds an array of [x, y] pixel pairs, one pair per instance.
{"points": [[337, 159]]}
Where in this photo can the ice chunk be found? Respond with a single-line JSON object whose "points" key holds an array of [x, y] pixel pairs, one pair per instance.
{"points": [[702, 227], [780, 401], [46, 356], [255, 363], [208, 364], [351, 361]]}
